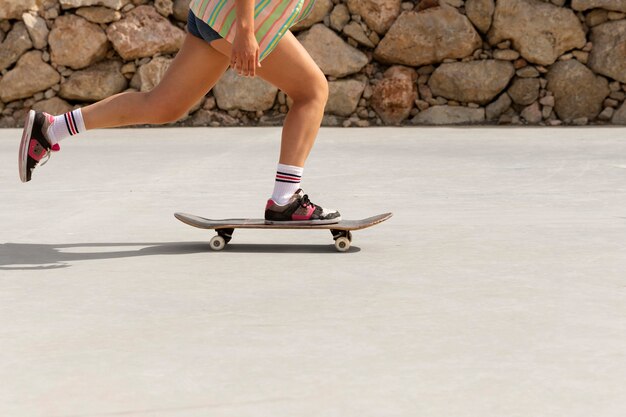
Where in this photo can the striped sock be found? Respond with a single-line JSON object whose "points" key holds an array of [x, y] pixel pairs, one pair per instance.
{"points": [[287, 183], [66, 125]]}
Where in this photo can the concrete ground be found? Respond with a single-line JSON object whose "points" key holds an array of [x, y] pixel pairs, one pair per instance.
{"points": [[497, 289]]}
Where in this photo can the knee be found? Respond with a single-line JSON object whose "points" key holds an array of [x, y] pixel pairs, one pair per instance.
{"points": [[162, 110], [315, 92]]}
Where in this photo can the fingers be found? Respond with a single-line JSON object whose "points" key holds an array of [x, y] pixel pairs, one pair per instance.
{"points": [[245, 65]]}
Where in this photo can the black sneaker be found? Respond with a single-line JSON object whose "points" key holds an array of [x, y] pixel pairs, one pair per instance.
{"points": [[299, 211], [35, 144]]}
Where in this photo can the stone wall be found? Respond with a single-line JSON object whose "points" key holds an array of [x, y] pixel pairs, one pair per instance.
{"points": [[388, 62]]}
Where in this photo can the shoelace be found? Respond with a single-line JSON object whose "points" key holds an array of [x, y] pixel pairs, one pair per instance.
{"points": [[53, 148], [305, 202], [45, 161]]}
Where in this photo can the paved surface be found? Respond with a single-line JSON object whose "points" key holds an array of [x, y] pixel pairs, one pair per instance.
{"points": [[497, 289]]}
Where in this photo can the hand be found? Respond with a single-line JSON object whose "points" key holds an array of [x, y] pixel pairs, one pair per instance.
{"points": [[244, 56]]}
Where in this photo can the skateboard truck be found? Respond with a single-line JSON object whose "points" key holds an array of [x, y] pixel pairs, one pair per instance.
{"points": [[219, 241], [342, 238]]}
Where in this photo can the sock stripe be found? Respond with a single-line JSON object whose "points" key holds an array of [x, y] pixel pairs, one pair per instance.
{"points": [[288, 174], [74, 122], [288, 177], [67, 123], [290, 182]]}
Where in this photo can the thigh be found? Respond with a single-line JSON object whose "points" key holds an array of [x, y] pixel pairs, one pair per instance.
{"points": [[289, 67], [194, 71]]}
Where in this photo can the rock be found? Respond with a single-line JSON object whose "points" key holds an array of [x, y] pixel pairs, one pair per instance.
{"points": [[596, 17], [619, 117], [374, 37], [379, 15], [30, 75], [616, 5], [94, 83], [344, 96], [532, 114], [356, 32], [394, 95], [164, 7], [480, 13], [428, 37], [495, 109], [13, 9], [76, 43], [608, 56], [616, 15], [149, 75], [505, 54], [606, 114], [547, 101], [580, 121], [474, 81], [582, 56], [16, 43], [250, 94], [181, 10], [520, 63], [325, 46], [427, 4], [618, 95], [98, 14], [546, 112], [540, 31], [527, 72], [211, 118], [449, 115], [143, 33], [54, 106], [37, 29], [578, 92], [209, 103], [321, 8], [111, 4], [339, 17], [524, 91]]}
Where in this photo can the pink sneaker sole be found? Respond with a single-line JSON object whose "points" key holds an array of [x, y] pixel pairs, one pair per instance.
{"points": [[26, 134]]}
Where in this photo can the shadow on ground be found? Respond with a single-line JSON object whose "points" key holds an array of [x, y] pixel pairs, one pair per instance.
{"points": [[32, 256]]}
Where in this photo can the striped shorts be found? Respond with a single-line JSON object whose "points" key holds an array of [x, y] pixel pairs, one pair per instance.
{"points": [[272, 19]]}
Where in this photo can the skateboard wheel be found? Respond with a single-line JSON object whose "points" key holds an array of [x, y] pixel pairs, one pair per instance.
{"points": [[217, 242], [342, 244]]}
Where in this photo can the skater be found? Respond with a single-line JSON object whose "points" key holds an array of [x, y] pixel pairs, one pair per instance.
{"points": [[253, 38]]}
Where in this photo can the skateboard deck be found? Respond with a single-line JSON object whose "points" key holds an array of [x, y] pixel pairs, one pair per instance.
{"points": [[341, 231]]}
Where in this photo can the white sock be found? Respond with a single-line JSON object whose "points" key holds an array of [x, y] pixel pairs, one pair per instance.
{"points": [[287, 183], [66, 125]]}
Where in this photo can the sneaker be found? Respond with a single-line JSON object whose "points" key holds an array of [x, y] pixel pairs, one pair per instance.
{"points": [[35, 144], [299, 211]]}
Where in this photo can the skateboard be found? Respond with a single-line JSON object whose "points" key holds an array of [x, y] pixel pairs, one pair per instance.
{"points": [[341, 231]]}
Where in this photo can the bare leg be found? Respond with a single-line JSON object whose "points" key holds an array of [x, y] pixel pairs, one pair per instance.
{"points": [[290, 68], [194, 71]]}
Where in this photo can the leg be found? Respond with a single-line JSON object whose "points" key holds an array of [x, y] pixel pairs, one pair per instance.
{"points": [[290, 68], [194, 71]]}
